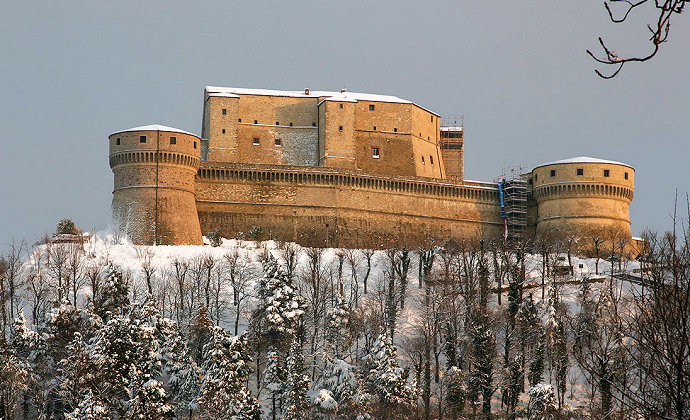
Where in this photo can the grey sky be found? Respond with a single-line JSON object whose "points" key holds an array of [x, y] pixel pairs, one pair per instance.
{"points": [[73, 72]]}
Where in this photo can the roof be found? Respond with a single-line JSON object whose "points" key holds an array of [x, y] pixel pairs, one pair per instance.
{"points": [[156, 127], [329, 95], [584, 159], [447, 128]]}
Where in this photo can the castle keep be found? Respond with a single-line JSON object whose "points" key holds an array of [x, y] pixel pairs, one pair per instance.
{"points": [[342, 169]]}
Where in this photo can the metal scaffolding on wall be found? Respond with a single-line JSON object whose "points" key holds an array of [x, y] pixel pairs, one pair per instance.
{"points": [[515, 210]]}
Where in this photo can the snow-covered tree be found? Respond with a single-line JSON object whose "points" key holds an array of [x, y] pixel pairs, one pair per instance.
{"points": [[542, 403], [274, 379], [224, 393], [14, 375], [339, 389], [90, 408], [296, 384], [113, 296], [387, 381]]}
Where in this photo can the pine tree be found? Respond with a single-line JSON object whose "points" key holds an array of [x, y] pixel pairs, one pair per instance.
{"points": [[77, 373], [542, 403], [339, 389], [296, 384], [274, 379], [90, 408], [387, 381], [483, 343], [224, 393], [14, 376], [337, 320], [113, 297]]}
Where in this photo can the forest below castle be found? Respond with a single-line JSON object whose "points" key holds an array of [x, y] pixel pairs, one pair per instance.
{"points": [[94, 327]]}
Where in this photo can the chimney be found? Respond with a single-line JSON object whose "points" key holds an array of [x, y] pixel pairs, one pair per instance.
{"points": [[306, 91], [343, 90]]}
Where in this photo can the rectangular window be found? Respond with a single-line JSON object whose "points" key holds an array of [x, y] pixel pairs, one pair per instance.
{"points": [[195, 145], [375, 152], [341, 105], [223, 131], [607, 172], [626, 175], [256, 121], [374, 128], [290, 124], [277, 142], [423, 163], [536, 177], [117, 141], [371, 107], [277, 122], [431, 160], [239, 120], [530, 181], [432, 118], [142, 139], [255, 141], [340, 128], [553, 173], [580, 171], [313, 124], [395, 130], [225, 111], [173, 140]]}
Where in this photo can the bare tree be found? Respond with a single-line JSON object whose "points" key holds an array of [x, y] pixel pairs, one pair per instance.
{"points": [[240, 275], [56, 268], [75, 270], [145, 256], [665, 10]]}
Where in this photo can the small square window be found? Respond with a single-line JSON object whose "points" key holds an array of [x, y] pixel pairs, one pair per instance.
{"points": [[423, 163], [626, 175], [313, 124], [239, 120], [580, 171], [340, 128], [341, 105], [371, 107], [255, 141], [195, 145], [277, 142], [142, 139], [117, 142], [277, 122], [223, 131], [256, 121], [374, 128], [607, 172], [290, 124], [173, 140], [225, 111], [431, 160], [375, 152], [395, 130], [553, 173]]}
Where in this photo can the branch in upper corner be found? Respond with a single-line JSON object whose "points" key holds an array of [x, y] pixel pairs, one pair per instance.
{"points": [[660, 31]]}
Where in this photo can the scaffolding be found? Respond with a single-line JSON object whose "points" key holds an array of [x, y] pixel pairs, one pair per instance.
{"points": [[514, 211]]}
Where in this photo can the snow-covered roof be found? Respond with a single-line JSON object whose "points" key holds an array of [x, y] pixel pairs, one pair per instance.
{"points": [[446, 128], [584, 159], [156, 127], [329, 95]]}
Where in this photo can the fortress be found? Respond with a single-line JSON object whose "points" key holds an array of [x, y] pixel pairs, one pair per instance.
{"points": [[343, 169]]}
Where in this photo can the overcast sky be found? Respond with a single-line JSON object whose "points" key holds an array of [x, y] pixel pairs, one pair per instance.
{"points": [[71, 73]]}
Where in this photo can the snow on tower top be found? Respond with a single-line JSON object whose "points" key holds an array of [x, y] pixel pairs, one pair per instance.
{"points": [[583, 159], [155, 127]]}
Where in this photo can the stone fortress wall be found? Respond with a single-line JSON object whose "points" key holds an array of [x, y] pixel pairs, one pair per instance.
{"points": [[336, 169]]}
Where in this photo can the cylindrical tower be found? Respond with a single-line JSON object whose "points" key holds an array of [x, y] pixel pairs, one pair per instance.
{"points": [[153, 199], [584, 196]]}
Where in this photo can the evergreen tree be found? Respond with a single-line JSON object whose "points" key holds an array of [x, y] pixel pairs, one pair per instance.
{"points": [[483, 344], [90, 408], [224, 393], [388, 381], [296, 384], [542, 403], [113, 296], [274, 379], [339, 389], [14, 375]]}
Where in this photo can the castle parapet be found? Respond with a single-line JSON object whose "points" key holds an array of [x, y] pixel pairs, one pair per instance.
{"points": [[154, 194]]}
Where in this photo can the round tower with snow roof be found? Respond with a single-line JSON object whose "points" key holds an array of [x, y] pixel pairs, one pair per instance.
{"points": [[585, 197], [154, 199]]}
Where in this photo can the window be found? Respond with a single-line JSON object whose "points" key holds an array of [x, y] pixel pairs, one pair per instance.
{"points": [[395, 130], [142, 139], [195, 145], [374, 128], [255, 141], [530, 181], [290, 124], [423, 163], [225, 111], [626, 174], [340, 128], [173, 140], [432, 118], [371, 107], [431, 160], [607, 172], [536, 177], [239, 120], [341, 105], [375, 152], [580, 171], [277, 122], [223, 131], [256, 121], [553, 173], [313, 124], [277, 142], [117, 141]]}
